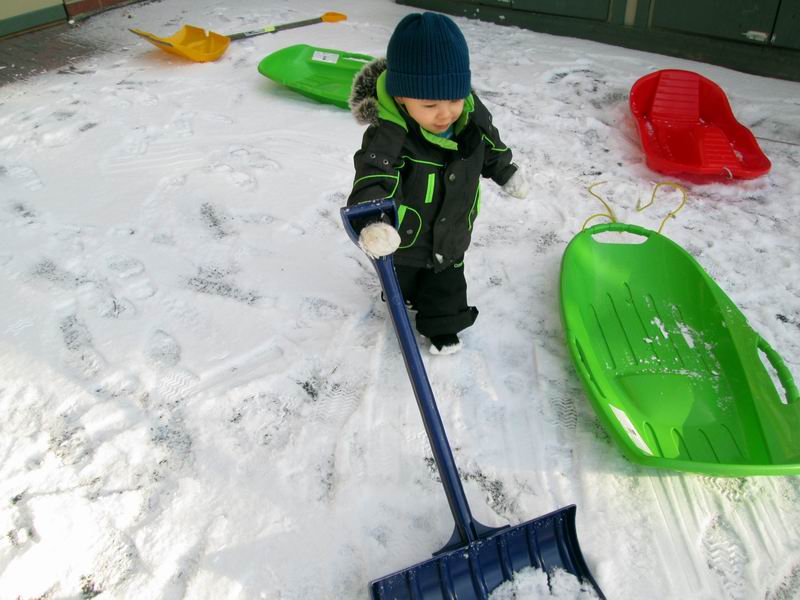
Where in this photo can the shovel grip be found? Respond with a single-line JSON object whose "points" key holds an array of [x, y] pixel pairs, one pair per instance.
{"points": [[356, 217]]}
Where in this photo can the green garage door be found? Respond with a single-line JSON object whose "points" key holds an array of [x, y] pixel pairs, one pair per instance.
{"points": [[787, 27], [587, 9], [743, 20]]}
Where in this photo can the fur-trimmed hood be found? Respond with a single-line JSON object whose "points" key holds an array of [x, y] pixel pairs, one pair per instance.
{"points": [[364, 97]]}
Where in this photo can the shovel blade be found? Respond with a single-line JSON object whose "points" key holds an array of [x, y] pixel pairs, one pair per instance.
{"points": [[474, 571], [190, 42]]}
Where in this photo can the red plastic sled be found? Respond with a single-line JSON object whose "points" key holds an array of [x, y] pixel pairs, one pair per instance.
{"points": [[688, 130]]}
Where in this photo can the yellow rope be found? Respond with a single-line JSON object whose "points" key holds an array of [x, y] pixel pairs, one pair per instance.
{"points": [[671, 214], [609, 211], [609, 214]]}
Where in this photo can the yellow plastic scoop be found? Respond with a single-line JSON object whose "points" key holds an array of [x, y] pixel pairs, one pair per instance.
{"points": [[200, 45]]}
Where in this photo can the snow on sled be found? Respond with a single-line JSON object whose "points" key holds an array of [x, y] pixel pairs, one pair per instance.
{"points": [[688, 130], [322, 74], [670, 364]]}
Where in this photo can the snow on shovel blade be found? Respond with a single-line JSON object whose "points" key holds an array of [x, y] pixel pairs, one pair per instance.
{"points": [[472, 572]]}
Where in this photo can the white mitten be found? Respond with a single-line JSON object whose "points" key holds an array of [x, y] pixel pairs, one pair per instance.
{"points": [[379, 239], [517, 185]]}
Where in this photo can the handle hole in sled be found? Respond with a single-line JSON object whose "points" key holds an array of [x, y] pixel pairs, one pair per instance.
{"points": [[618, 237]]}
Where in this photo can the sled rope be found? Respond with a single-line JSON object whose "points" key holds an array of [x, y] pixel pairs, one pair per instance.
{"points": [[671, 214], [609, 214], [609, 211]]}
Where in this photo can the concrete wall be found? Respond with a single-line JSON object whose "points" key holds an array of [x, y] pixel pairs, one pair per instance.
{"points": [[21, 15], [16, 8], [17, 16]]}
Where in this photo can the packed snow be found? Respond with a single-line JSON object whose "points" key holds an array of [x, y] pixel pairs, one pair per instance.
{"points": [[535, 583], [201, 395]]}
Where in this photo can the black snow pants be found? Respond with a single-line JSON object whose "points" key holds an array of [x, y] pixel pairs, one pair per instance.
{"points": [[440, 299]]}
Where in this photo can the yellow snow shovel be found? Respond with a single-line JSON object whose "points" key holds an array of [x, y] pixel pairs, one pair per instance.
{"points": [[200, 45]]}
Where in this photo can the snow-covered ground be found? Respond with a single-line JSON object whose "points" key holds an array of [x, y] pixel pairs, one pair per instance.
{"points": [[201, 395]]}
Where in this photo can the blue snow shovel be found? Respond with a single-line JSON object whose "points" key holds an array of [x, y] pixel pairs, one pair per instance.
{"points": [[477, 559]]}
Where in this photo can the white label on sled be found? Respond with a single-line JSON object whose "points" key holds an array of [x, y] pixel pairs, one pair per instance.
{"points": [[327, 57], [631, 430]]}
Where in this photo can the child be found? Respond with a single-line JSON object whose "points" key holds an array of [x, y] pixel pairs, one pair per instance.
{"points": [[428, 143]]}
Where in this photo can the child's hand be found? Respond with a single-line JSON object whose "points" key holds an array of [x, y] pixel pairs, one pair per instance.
{"points": [[517, 185], [379, 239]]}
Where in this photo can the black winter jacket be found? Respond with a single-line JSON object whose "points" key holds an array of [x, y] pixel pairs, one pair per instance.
{"points": [[435, 182]]}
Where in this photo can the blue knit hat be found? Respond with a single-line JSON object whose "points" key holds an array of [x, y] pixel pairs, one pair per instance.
{"points": [[428, 59]]}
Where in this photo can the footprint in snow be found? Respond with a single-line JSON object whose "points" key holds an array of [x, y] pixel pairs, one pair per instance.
{"points": [[727, 557], [115, 561], [162, 349], [70, 442], [276, 426], [17, 327], [128, 94], [27, 177], [169, 432], [240, 179], [78, 350], [112, 307], [321, 308], [73, 70], [214, 282], [21, 532], [48, 270], [97, 294], [250, 157], [24, 213], [125, 266], [131, 271], [214, 220], [182, 125], [735, 489]]}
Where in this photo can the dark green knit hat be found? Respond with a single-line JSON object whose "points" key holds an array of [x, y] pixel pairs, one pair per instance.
{"points": [[428, 59]]}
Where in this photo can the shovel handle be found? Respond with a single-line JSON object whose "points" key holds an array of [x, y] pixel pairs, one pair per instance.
{"points": [[150, 37], [356, 217], [329, 17], [252, 33]]}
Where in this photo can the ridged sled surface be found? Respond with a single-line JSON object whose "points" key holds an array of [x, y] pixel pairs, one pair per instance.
{"points": [[670, 363], [687, 129]]}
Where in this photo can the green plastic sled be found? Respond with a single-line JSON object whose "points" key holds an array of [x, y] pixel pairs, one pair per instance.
{"points": [[320, 73], [670, 364]]}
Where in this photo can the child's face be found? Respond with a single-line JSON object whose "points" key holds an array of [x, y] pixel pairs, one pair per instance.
{"points": [[434, 115]]}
